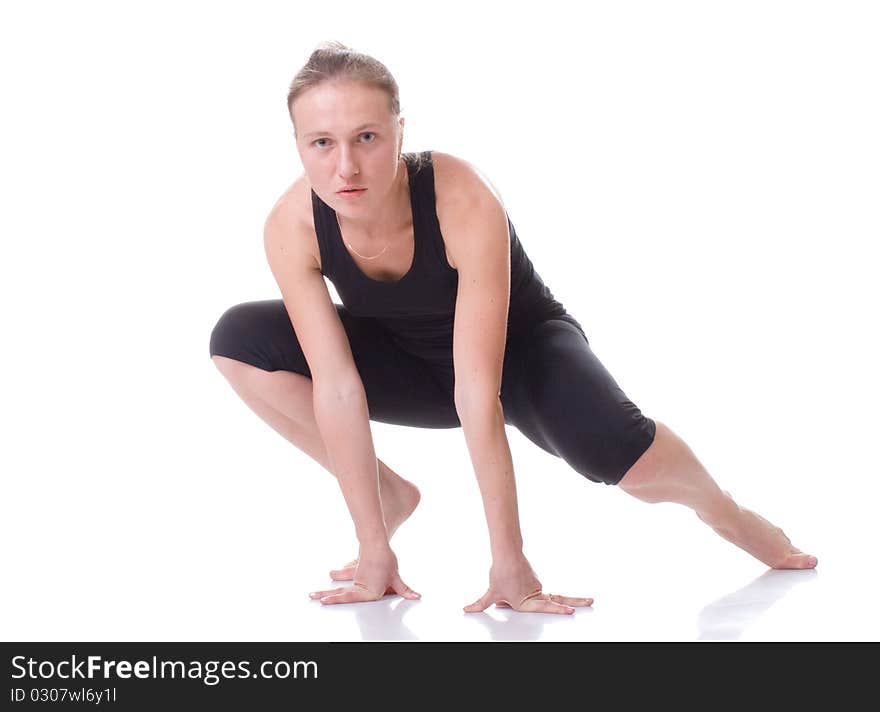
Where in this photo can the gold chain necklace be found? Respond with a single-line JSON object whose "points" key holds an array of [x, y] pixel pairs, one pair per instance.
{"points": [[367, 258]]}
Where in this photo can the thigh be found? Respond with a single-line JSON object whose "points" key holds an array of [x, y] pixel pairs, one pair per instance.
{"points": [[401, 389], [561, 397]]}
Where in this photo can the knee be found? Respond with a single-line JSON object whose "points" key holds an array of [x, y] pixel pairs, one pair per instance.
{"points": [[641, 479], [229, 332], [232, 369], [608, 455], [251, 333]]}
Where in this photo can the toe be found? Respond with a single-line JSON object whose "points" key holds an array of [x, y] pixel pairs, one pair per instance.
{"points": [[798, 560]]}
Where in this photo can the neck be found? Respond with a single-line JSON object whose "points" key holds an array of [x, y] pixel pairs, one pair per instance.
{"points": [[396, 214]]}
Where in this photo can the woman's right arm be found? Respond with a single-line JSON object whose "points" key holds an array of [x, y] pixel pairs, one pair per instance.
{"points": [[338, 393]]}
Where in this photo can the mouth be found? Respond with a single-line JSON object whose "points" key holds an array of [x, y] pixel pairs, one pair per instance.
{"points": [[351, 192]]}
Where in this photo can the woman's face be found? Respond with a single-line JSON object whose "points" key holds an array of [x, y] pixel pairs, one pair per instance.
{"points": [[347, 135]]}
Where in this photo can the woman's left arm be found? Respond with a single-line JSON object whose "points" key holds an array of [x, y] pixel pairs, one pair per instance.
{"points": [[474, 225], [481, 251]]}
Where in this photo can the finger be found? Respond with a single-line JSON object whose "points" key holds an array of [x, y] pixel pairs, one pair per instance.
{"points": [[565, 600], [328, 592], [350, 595], [402, 589], [540, 604], [345, 572], [481, 604], [570, 600], [504, 603], [363, 587]]}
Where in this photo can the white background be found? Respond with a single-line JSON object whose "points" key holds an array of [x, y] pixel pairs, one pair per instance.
{"points": [[697, 182]]}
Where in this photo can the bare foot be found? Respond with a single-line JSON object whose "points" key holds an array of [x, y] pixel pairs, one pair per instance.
{"points": [[403, 501], [755, 535]]}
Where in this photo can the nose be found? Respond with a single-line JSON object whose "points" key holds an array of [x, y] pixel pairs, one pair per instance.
{"points": [[347, 165]]}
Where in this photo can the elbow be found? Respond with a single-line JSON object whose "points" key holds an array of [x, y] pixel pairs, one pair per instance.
{"points": [[473, 403], [337, 389]]}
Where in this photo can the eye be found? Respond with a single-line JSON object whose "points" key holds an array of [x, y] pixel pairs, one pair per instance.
{"points": [[369, 133], [316, 142]]}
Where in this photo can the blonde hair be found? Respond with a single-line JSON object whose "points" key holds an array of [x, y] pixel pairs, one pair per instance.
{"points": [[333, 60]]}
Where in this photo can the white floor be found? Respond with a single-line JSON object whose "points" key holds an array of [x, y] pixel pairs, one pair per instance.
{"points": [[226, 544]]}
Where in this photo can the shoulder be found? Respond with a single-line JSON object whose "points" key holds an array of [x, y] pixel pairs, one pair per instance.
{"points": [[466, 202], [456, 179], [291, 219]]}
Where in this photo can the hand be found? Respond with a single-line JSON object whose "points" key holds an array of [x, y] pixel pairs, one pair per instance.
{"points": [[513, 584], [375, 576], [346, 572]]}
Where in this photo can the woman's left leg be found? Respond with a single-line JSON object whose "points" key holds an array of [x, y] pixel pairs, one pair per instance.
{"points": [[668, 471], [559, 395]]}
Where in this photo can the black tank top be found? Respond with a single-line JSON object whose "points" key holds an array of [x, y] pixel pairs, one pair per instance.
{"points": [[418, 310]]}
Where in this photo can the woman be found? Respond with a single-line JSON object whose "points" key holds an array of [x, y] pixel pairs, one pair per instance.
{"points": [[444, 323]]}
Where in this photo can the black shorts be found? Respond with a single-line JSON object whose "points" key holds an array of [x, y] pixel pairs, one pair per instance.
{"points": [[554, 390]]}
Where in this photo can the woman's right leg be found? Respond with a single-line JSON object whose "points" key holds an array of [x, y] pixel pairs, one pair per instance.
{"points": [[284, 400], [256, 349]]}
